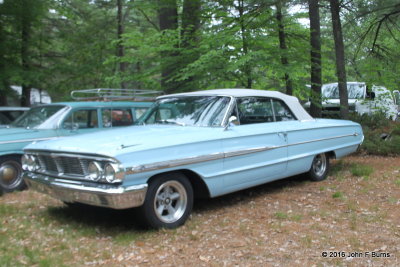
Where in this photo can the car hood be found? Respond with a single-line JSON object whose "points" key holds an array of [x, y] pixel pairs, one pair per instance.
{"points": [[16, 134], [128, 139]]}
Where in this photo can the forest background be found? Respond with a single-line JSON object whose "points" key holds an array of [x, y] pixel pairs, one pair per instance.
{"points": [[188, 45]]}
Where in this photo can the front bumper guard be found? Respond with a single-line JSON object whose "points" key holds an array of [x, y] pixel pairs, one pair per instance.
{"points": [[102, 195]]}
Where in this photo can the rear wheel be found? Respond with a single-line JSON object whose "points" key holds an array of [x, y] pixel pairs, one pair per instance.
{"points": [[319, 167], [11, 174], [169, 201]]}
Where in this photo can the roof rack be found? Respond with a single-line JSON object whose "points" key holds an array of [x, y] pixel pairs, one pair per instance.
{"points": [[108, 94]]}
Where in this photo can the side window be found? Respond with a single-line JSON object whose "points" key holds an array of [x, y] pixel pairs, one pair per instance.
{"points": [[116, 117], [255, 110], [282, 112], [139, 112], [82, 119]]}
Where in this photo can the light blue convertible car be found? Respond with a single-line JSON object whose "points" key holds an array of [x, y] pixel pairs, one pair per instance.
{"points": [[55, 120], [199, 144]]}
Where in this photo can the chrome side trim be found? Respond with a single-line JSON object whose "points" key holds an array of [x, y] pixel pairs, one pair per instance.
{"points": [[173, 163], [194, 160], [323, 139], [249, 151], [26, 140], [216, 156]]}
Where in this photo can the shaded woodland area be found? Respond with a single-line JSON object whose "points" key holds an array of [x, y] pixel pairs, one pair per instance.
{"points": [[187, 45]]}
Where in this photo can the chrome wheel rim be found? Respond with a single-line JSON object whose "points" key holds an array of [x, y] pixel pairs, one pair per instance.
{"points": [[10, 174], [170, 201], [319, 164]]}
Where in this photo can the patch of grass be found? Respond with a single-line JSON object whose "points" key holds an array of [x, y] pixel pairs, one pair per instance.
{"points": [[352, 206], [361, 170], [338, 194], [337, 167], [285, 216], [353, 221], [354, 242], [125, 238], [296, 217], [281, 215], [306, 241], [397, 182]]}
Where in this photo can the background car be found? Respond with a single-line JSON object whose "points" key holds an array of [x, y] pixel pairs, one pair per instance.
{"points": [[56, 120], [199, 144], [361, 100], [9, 114]]}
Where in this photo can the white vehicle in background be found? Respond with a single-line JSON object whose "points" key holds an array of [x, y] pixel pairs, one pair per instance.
{"points": [[361, 100], [38, 96]]}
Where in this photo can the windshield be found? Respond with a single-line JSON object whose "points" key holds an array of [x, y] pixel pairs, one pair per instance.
{"points": [[188, 111], [354, 91], [36, 116]]}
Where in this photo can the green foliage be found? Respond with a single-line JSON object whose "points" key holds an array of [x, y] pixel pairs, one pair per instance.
{"points": [[381, 136], [73, 45], [361, 170], [338, 195]]}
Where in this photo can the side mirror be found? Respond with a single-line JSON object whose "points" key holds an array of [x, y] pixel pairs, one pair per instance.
{"points": [[75, 127], [232, 119]]}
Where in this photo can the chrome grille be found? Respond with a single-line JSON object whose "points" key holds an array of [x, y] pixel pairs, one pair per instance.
{"points": [[67, 165], [63, 165], [47, 163], [72, 166]]}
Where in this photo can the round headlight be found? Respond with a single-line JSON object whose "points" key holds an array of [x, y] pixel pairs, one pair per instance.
{"points": [[109, 172], [94, 171], [24, 162], [29, 163]]}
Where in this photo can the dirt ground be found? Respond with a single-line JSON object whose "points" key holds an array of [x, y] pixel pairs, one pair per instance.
{"points": [[346, 220]]}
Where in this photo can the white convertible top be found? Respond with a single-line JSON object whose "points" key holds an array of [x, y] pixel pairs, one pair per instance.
{"points": [[291, 101]]}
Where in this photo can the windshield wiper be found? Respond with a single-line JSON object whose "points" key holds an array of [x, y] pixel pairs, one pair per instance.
{"points": [[171, 122]]}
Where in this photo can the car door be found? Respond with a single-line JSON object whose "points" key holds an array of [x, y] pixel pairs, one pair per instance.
{"points": [[80, 121], [255, 148]]}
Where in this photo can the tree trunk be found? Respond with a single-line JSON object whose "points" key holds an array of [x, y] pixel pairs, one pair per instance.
{"points": [[283, 46], [120, 46], [340, 60], [190, 22], [189, 35], [316, 74], [168, 20], [4, 86], [25, 38], [245, 45]]}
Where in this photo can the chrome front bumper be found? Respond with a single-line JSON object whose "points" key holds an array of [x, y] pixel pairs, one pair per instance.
{"points": [[110, 196]]}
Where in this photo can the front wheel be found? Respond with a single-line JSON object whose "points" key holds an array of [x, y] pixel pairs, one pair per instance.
{"points": [[319, 167], [11, 174], [169, 201]]}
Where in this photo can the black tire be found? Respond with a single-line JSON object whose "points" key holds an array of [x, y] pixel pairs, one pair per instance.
{"points": [[168, 202], [11, 174], [319, 167]]}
